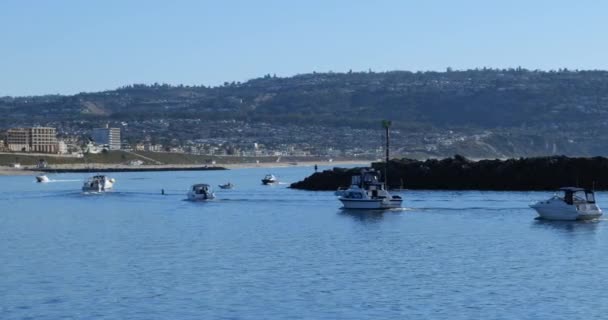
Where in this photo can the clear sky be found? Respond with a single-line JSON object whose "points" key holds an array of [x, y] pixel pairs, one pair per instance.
{"points": [[63, 46]]}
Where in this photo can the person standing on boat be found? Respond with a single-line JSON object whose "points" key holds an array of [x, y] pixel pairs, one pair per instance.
{"points": [[316, 168]]}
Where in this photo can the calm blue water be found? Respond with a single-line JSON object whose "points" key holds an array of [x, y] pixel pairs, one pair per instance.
{"points": [[268, 252]]}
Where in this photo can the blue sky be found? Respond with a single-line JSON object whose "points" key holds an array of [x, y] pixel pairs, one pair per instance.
{"points": [[61, 46]]}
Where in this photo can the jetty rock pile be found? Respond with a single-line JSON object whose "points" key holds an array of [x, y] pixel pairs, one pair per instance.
{"points": [[460, 173], [327, 179]]}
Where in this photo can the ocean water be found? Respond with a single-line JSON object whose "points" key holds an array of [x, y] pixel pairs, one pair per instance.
{"points": [[268, 252]]}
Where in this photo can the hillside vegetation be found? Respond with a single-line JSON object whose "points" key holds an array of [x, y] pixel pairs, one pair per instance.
{"points": [[498, 112]]}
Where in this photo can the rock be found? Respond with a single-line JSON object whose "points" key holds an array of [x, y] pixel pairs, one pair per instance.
{"points": [[459, 173]]}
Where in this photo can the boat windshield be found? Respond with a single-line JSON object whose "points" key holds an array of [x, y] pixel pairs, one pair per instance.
{"points": [[200, 189], [371, 178], [353, 195], [578, 196], [590, 196]]}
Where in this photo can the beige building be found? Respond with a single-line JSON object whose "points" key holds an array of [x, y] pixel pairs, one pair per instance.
{"points": [[18, 139], [35, 139]]}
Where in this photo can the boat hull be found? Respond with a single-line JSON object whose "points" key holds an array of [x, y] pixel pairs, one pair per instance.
{"points": [[567, 212], [108, 185], [200, 197], [370, 203]]}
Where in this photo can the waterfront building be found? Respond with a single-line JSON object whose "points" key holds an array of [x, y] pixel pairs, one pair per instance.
{"points": [[34, 139], [107, 136], [62, 147], [18, 139], [44, 139]]}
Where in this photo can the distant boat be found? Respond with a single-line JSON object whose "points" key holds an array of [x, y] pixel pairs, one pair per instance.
{"points": [[42, 178], [573, 204], [226, 186], [269, 179], [367, 192], [99, 183], [201, 192]]}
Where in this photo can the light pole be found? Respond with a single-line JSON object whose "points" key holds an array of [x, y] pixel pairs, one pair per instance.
{"points": [[386, 124]]}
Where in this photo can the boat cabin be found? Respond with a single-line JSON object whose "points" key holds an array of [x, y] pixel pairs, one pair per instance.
{"points": [[201, 189], [368, 179], [574, 195]]}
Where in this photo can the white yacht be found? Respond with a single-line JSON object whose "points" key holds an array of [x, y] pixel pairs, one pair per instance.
{"points": [[571, 204], [99, 183], [200, 191], [367, 192], [269, 179], [42, 178]]}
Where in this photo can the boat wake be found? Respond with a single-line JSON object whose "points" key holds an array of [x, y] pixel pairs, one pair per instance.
{"points": [[468, 209]]}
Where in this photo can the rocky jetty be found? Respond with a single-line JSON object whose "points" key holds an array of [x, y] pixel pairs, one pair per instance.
{"points": [[460, 173]]}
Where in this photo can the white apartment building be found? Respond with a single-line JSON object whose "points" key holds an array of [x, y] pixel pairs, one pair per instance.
{"points": [[107, 136]]}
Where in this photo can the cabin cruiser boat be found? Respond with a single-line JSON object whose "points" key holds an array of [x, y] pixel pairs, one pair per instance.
{"points": [[226, 186], [201, 191], [99, 183], [572, 204], [367, 192], [42, 178], [269, 179]]}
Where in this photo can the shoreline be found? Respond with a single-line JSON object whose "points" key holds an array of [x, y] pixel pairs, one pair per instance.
{"points": [[298, 164], [99, 167]]}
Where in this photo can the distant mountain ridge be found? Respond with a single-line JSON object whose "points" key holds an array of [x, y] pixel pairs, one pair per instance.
{"points": [[484, 98], [516, 101]]}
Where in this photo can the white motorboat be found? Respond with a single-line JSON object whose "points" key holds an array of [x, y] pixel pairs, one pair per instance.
{"points": [[99, 183], [42, 178], [572, 204], [200, 192], [226, 186], [269, 179], [367, 192]]}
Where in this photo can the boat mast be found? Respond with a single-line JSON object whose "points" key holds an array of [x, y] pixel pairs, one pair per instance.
{"points": [[386, 124]]}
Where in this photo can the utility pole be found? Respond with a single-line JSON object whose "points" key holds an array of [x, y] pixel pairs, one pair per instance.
{"points": [[386, 124]]}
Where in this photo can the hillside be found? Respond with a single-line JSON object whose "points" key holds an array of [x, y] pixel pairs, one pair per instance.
{"points": [[478, 113]]}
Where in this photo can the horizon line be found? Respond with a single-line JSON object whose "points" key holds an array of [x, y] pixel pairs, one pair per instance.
{"points": [[447, 69]]}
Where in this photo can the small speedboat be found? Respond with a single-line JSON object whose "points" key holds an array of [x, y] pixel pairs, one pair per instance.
{"points": [[367, 192], [200, 192], [226, 186], [571, 204], [99, 183], [269, 179], [42, 178]]}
